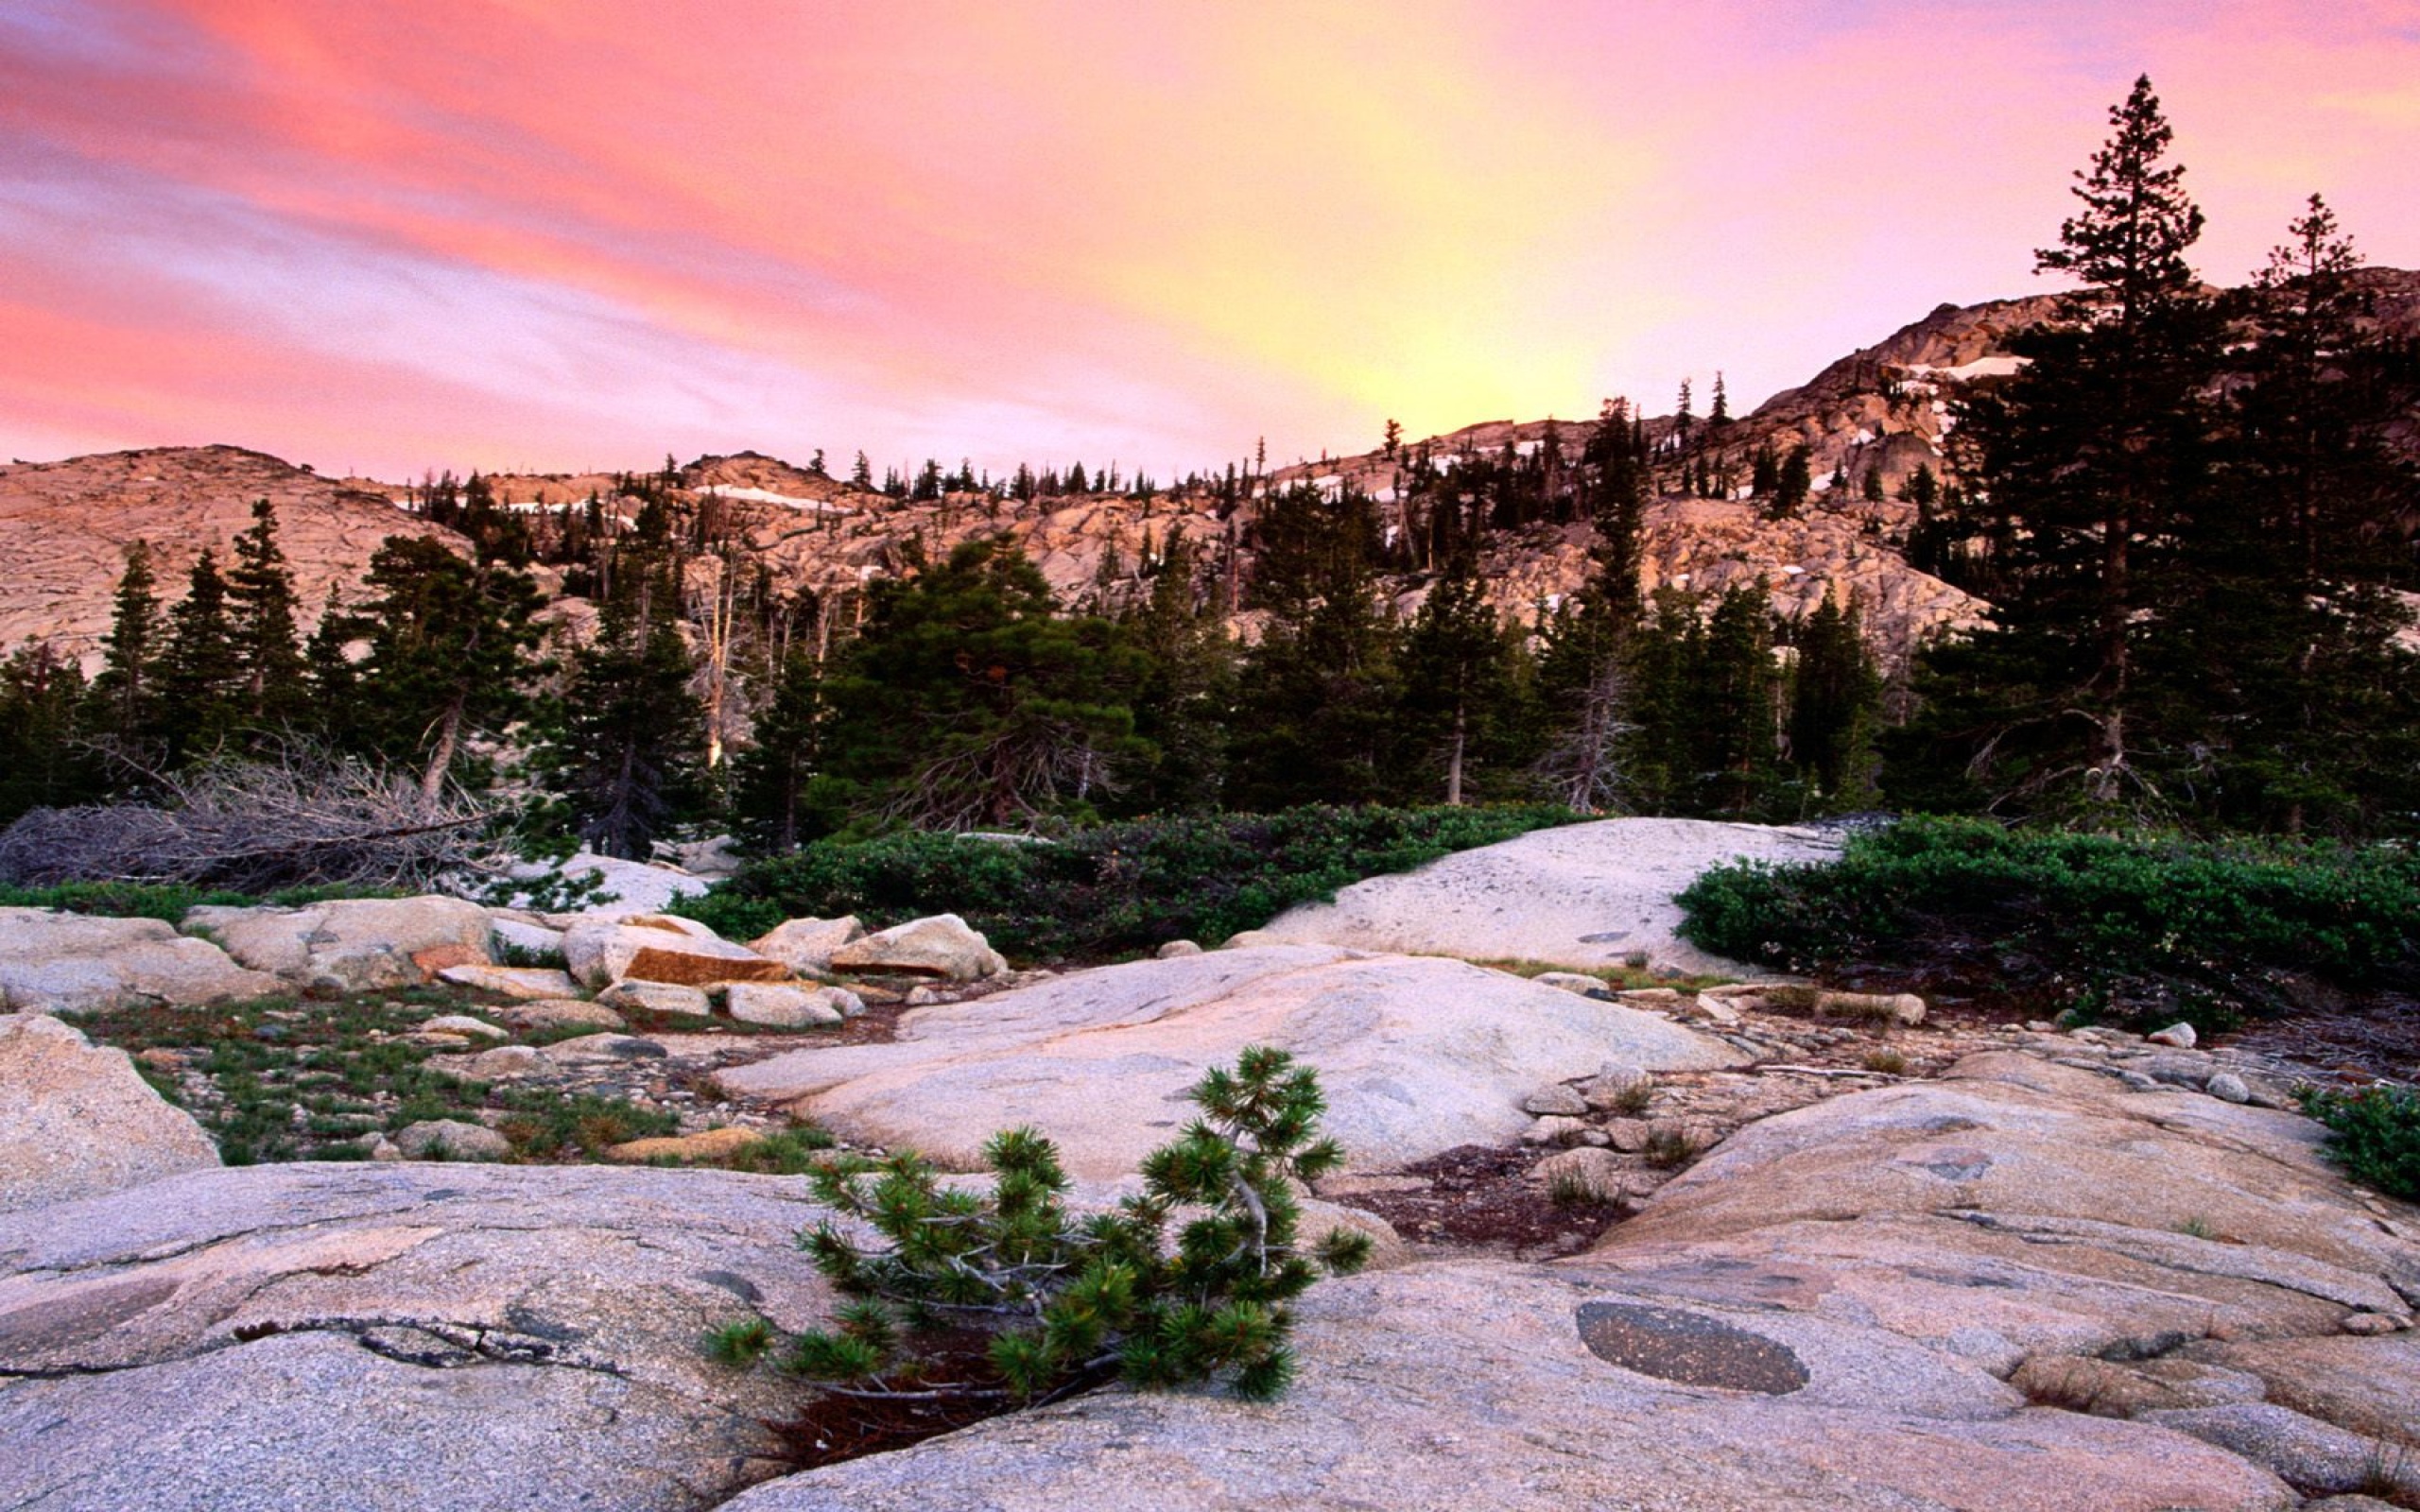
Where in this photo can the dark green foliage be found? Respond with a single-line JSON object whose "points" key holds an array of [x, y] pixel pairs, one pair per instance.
{"points": [[626, 758], [1791, 485], [200, 673], [1105, 890], [168, 903], [1316, 696], [43, 707], [968, 702], [1066, 1301], [261, 615], [126, 696], [772, 774], [2375, 1135], [450, 654], [1835, 709], [2143, 928], [1461, 686]]}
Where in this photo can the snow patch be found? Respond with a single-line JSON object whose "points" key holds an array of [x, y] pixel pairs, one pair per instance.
{"points": [[1980, 368], [768, 496]]}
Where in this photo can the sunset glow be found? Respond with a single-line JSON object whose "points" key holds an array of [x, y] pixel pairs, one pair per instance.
{"points": [[583, 233]]}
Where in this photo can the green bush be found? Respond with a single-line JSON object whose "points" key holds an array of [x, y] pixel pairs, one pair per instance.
{"points": [[1106, 890], [1059, 1302], [2138, 926], [2375, 1135], [163, 901]]}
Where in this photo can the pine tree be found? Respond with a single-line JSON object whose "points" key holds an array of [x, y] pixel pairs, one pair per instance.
{"points": [[1735, 706], [627, 758], [1718, 415], [43, 763], [1457, 676], [1791, 485], [2093, 467], [451, 646], [1184, 705], [126, 695], [261, 615], [1872, 488], [1835, 708], [200, 675]]}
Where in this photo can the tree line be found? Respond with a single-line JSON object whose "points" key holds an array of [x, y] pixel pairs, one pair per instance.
{"points": [[2188, 511]]}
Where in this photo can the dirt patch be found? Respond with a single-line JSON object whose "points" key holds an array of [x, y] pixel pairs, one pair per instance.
{"points": [[1483, 1200]]}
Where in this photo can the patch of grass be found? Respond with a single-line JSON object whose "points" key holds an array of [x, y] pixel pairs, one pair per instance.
{"points": [[1889, 1062], [1626, 977], [2131, 927], [1106, 891], [548, 1123], [2374, 1134], [2197, 1226], [1572, 1190], [1633, 1099], [278, 1079], [785, 1152], [1668, 1148]]}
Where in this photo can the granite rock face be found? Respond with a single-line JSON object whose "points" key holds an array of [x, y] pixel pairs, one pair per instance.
{"points": [[395, 1336], [353, 945], [77, 1120], [1416, 1056], [75, 963], [1581, 896]]}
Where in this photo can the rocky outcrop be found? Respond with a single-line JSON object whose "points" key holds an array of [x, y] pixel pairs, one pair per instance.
{"points": [[75, 963], [64, 527], [940, 946], [1414, 1055], [1538, 1389], [396, 1336], [1584, 895], [661, 948], [805, 945], [78, 1121], [355, 945]]}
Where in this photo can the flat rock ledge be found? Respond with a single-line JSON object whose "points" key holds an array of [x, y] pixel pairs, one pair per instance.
{"points": [[402, 1336]]}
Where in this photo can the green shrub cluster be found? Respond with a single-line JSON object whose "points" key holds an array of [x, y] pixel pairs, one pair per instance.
{"points": [[163, 901], [1106, 890], [1063, 1301], [2375, 1135], [2150, 925]]}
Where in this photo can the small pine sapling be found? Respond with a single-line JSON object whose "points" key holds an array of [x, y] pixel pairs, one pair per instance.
{"points": [[1067, 1303]]}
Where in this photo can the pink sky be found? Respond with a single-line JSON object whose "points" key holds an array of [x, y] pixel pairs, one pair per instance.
{"points": [[582, 234]]}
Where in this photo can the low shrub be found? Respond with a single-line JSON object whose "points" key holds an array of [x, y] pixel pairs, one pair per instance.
{"points": [[163, 901], [1006, 1295], [2134, 927], [1106, 890], [2375, 1135]]}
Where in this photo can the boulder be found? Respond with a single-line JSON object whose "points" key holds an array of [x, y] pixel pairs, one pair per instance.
{"points": [[940, 946], [1583, 896], [353, 945], [1172, 949], [601, 1049], [805, 945], [1416, 1056], [528, 983], [626, 887], [77, 963], [1555, 1098], [397, 1336], [559, 1014], [462, 1024], [1580, 981], [1599, 1176], [450, 1139], [1544, 1388], [656, 997], [782, 1006], [2179, 1035], [76, 1120], [2306, 1454], [661, 948], [534, 942]]}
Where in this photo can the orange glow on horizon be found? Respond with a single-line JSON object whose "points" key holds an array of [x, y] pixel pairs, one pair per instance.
{"points": [[516, 232]]}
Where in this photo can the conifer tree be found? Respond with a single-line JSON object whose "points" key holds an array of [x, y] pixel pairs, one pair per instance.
{"points": [[126, 695], [1835, 707], [42, 702], [261, 615], [626, 757], [1458, 682], [200, 673], [2094, 467], [1184, 704], [450, 647], [1791, 485]]}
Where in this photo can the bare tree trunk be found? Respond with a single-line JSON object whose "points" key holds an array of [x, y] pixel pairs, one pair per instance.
{"points": [[449, 735]]}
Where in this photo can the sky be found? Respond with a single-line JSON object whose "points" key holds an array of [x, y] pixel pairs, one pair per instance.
{"points": [[582, 234]]}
